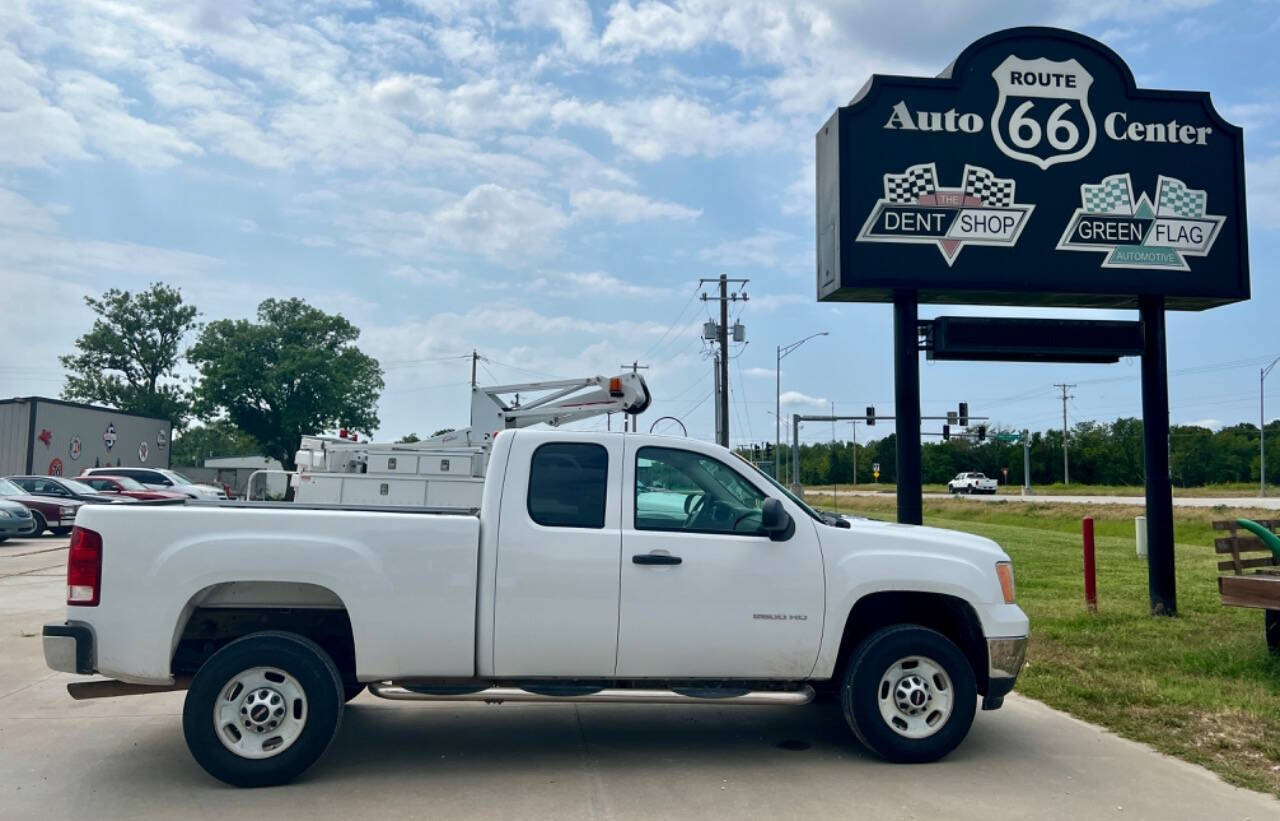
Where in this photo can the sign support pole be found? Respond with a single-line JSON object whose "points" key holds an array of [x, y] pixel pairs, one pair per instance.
{"points": [[906, 411], [1155, 442]]}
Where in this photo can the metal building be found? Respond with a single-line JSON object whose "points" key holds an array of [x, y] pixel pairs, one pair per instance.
{"points": [[39, 435]]}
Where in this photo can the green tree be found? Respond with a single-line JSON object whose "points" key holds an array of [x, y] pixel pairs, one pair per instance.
{"points": [[218, 438], [295, 371], [408, 439], [128, 357]]}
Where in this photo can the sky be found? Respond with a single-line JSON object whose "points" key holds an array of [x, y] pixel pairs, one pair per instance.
{"points": [[545, 181]]}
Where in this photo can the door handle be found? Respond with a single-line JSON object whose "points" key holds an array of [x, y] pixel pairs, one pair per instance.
{"points": [[655, 558]]}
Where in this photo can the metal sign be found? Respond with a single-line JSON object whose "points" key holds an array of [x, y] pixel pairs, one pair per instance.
{"points": [[1033, 171]]}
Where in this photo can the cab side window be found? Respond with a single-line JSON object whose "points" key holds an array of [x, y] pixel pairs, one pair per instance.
{"points": [[682, 490], [568, 485]]}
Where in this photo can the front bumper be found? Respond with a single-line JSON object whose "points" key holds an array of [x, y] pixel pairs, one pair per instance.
{"points": [[1005, 657], [17, 527], [69, 647]]}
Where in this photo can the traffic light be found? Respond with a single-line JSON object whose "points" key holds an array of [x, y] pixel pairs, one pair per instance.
{"points": [[982, 433], [871, 415], [755, 452], [946, 432], [964, 414], [953, 418], [768, 450]]}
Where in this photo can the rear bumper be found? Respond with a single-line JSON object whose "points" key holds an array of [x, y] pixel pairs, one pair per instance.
{"points": [[69, 647]]}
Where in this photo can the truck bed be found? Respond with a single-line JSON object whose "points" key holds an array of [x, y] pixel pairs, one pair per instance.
{"points": [[406, 577]]}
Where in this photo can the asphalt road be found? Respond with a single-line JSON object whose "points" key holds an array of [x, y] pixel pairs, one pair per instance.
{"points": [[125, 757], [1268, 503]]}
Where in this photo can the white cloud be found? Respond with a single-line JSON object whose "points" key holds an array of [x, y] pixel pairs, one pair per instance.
{"points": [[594, 284], [773, 302], [502, 224], [100, 108], [668, 125], [759, 372], [19, 213], [625, 207], [763, 249], [1211, 424], [798, 398]]}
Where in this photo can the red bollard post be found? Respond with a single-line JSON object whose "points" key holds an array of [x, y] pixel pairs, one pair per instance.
{"points": [[1090, 566]]}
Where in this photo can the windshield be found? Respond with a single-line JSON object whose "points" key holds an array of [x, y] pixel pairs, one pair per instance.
{"points": [[8, 488], [813, 514], [178, 477], [78, 487], [123, 482]]}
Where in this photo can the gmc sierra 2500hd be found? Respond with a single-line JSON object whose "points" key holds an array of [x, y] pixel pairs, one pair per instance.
{"points": [[599, 568]]}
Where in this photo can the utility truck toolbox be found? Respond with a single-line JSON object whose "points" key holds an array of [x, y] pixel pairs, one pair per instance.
{"points": [[600, 567]]}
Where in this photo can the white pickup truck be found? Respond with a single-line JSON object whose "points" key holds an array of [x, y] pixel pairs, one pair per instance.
{"points": [[601, 567], [972, 483]]}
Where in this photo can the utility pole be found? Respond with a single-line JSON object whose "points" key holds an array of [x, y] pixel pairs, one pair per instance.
{"points": [[722, 339], [475, 357], [635, 368], [835, 486], [1066, 468], [782, 352], [721, 436], [1262, 428], [1026, 463]]}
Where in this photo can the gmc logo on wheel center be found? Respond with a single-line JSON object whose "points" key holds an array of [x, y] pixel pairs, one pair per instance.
{"points": [[1042, 116]]}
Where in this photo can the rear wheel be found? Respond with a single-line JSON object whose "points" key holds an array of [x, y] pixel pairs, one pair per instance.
{"points": [[40, 523], [909, 694], [263, 709]]}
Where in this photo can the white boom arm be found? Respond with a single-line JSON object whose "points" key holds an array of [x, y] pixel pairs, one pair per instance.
{"points": [[553, 403]]}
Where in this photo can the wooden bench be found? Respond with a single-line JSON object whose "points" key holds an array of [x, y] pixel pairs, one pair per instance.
{"points": [[1254, 579]]}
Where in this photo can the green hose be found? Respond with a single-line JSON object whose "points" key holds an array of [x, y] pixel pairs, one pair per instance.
{"points": [[1268, 538]]}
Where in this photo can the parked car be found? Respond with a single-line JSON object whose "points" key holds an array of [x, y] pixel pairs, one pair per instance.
{"points": [[132, 488], [972, 483], [566, 586], [15, 520], [50, 513], [62, 488], [162, 479]]}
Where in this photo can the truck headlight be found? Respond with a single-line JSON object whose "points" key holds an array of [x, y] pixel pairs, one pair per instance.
{"points": [[1004, 571]]}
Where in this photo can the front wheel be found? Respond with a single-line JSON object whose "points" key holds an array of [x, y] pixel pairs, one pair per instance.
{"points": [[263, 709], [909, 694], [40, 523]]}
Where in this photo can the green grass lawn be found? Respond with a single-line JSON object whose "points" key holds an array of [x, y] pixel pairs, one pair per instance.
{"points": [[1226, 490], [1200, 686]]}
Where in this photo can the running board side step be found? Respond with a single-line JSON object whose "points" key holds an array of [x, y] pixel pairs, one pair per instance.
{"points": [[552, 694]]}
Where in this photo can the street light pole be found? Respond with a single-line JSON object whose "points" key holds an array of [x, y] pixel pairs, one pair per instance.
{"points": [[1262, 427], [782, 351]]}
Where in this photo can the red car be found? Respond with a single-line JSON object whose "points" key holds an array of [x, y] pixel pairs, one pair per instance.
{"points": [[55, 515], [124, 486]]}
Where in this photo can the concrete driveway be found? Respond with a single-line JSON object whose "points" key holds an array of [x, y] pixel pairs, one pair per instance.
{"points": [[125, 757]]}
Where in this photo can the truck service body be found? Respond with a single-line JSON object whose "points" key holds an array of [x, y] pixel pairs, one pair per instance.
{"points": [[600, 567]]}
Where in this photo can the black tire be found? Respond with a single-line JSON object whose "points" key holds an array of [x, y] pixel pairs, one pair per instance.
{"points": [[314, 672], [41, 526], [59, 531], [860, 693], [351, 690]]}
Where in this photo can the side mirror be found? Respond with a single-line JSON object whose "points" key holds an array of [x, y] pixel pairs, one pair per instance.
{"points": [[775, 520]]}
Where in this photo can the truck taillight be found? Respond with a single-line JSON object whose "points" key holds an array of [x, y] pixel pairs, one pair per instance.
{"points": [[84, 568]]}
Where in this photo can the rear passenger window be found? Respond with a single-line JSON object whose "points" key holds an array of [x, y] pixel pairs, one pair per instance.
{"points": [[567, 484]]}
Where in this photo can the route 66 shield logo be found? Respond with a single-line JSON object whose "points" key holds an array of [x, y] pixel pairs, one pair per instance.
{"points": [[1042, 115]]}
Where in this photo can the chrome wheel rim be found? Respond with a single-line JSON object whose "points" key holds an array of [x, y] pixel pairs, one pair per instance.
{"points": [[916, 697], [260, 712]]}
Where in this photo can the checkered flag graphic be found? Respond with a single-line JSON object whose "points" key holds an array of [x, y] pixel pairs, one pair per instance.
{"points": [[1114, 195], [918, 181], [993, 191], [1173, 198]]}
